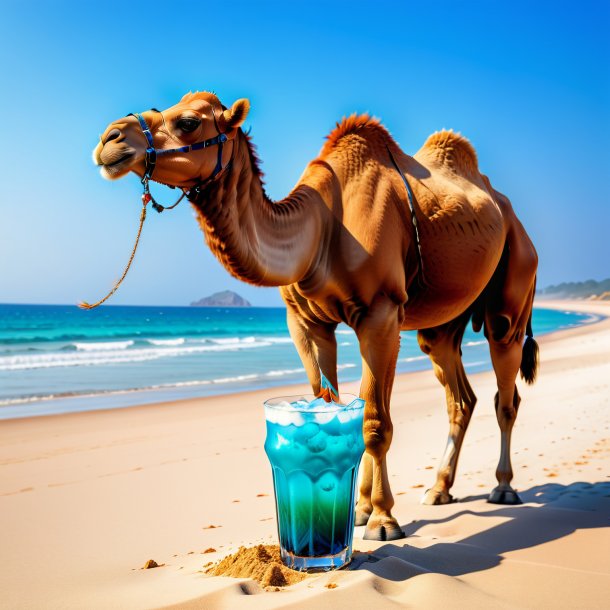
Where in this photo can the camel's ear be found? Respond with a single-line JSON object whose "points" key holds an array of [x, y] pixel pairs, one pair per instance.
{"points": [[236, 115]]}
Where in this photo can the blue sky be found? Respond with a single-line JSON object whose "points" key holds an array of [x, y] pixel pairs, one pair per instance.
{"points": [[528, 85]]}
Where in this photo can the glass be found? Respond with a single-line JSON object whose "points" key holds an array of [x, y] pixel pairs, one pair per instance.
{"points": [[315, 449]]}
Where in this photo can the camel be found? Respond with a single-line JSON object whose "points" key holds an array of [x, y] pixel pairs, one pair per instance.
{"points": [[371, 237]]}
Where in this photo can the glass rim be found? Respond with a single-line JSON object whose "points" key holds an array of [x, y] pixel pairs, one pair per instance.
{"points": [[332, 407]]}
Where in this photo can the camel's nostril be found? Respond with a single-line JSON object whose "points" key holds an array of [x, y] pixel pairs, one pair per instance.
{"points": [[112, 135]]}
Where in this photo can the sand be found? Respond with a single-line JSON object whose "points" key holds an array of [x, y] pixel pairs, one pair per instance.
{"points": [[261, 563], [87, 499]]}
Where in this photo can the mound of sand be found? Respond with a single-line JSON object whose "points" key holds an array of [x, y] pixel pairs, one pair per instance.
{"points": [[262, 563]]}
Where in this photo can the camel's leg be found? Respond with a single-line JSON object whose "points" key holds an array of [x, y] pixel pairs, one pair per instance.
{"points": [[317, 348], [506, 360], [508, 306], [443, 346], [379, 337], [364, 508]]}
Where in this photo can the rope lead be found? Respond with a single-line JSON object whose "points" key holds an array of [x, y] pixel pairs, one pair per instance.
{"points": [[83, 304]]}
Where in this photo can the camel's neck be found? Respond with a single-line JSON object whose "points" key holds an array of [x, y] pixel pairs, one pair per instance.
{"points": [[256, 240]]}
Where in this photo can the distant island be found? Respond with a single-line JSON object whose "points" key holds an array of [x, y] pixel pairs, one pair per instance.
{"points": [[590, 289], [226, 298]]}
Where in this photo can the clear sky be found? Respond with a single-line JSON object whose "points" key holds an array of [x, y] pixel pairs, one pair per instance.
{"points": [[527, 82]]}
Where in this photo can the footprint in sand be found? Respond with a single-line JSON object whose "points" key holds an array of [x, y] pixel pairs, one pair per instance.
{"points": [[211, 527]]}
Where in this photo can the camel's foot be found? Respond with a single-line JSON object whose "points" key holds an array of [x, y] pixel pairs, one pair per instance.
{"points": [[434, 497], [504, 495], [382, 528], [363, 512]]}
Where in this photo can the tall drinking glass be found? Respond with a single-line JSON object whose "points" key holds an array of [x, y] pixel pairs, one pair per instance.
{"points": [[315, 449]]}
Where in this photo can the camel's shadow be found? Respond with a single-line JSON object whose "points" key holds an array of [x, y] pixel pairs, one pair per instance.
{"points": [[564, 509]]}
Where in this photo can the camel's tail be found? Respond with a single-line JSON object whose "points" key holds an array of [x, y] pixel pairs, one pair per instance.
{"points": [[531, 355]]}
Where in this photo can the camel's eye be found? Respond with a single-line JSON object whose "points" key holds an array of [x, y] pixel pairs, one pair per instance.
{"points": [[188, 124]]}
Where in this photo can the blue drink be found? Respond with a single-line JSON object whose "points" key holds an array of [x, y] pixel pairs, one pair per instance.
{"points": [[314, 448]]}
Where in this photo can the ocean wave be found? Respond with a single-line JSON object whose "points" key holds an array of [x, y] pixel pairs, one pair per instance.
{"points": [[341, 331], [282, 372], [412, 359], [99, 346], [117, 356], [477, 363], [235, 379], [170, 342], [232, 340], [472, 343]]}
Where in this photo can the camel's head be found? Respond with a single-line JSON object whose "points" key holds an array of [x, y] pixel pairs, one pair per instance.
{"points": [[198, 117]]}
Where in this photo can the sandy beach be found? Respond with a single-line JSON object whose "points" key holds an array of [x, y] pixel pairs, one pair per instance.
{"points": [[87, 498]]}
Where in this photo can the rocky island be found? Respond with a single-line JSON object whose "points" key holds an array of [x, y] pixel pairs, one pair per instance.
{"points": [[226, 298]]}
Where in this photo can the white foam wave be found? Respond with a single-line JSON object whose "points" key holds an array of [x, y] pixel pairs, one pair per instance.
{"points": [[233, 340], [170, 342], [471, 343], [236, 378], [116, 356], [240, 340], [282, 372], [100, 346], [344, 332], [413, 359]]}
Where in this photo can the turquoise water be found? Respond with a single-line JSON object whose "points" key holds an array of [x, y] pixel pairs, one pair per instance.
{"points": [[314, 452], [56, 358]]}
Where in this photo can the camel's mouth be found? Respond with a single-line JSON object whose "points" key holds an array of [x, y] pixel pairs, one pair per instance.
{"points": [[121, 159], [115, 162]]}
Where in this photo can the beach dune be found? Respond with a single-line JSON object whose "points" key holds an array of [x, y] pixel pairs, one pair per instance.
{"points": [[86, 499]]}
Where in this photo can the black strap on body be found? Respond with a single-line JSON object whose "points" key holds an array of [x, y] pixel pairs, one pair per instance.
{"points": [[412, 209]]}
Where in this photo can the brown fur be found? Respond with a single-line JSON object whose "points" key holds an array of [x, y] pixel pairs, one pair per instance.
{"points": [[453, 150], [237, 114], [341, 248], [354, 124]]}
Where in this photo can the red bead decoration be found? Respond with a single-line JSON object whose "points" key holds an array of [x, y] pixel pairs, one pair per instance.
{"points": [[146, 197]]}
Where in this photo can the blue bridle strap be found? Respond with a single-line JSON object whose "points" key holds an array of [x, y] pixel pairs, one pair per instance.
{"points": [[152, 153], [150, 161]]}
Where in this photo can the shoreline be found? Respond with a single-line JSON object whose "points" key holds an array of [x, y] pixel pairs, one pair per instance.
{"points": [[113, 399], [87, 498]]}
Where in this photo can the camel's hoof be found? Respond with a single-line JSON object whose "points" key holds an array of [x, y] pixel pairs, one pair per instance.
{"points": [[434, 497], [362, 517], [504, 495], [383, 528]]}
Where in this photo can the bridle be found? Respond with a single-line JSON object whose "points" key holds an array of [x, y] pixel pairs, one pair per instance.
{"points": [[152, 153]]}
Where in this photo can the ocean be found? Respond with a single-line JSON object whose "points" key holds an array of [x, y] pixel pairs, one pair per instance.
{"points": [[58, 358]]}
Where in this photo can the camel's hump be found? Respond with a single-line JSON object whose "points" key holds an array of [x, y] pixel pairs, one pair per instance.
{"points": [[453, 150]]}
